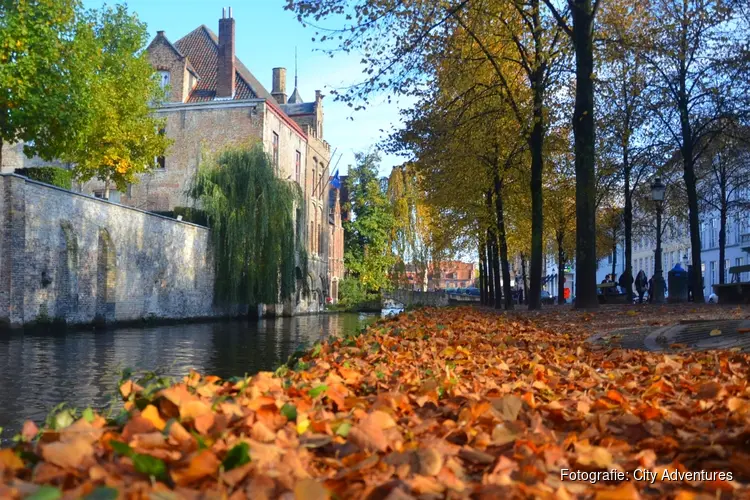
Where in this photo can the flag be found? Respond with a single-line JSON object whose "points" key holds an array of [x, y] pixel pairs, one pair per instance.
{"points": [[336, 182]]}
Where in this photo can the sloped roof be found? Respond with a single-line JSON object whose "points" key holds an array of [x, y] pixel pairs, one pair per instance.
{"points": [[303, 108], [201, 47], [296, 98]]}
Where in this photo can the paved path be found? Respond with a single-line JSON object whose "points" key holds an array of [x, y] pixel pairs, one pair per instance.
{"points": [[689, 334]]}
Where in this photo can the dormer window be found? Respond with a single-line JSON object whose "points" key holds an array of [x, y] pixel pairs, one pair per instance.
{"points": [[163, 79]]}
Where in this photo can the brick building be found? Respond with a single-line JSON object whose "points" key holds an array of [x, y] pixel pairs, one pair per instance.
{"points": [[215, 102]]}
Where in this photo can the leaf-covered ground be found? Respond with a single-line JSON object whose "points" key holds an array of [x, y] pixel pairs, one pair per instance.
{"points": [[436, 403]]}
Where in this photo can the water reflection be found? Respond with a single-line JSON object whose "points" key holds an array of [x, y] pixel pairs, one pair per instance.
{"points": [[40, 370]]}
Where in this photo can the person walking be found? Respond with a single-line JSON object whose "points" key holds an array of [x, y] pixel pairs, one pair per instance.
{"points": [[626, 282], [651, 289], [641, 282]]}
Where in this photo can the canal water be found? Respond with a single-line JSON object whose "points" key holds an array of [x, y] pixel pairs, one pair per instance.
{"points": [[40, 370]]}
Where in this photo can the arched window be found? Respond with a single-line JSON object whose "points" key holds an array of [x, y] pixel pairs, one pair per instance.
{"points": [[163, 79]]}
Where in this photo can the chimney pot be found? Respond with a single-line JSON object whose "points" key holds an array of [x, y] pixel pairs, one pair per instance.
{"points": [[230, 12], [278, 86]]}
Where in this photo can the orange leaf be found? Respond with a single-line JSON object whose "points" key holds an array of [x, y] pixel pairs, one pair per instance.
{"points": [[625, 491], [201, 465], [9, 461], [151, 414]]}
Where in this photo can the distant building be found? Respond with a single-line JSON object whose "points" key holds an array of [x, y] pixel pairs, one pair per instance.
{"points": [[450, 274]]}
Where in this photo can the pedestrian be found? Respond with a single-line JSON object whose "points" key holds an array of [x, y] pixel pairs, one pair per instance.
{"points": [[651, 289], [625, 282], [641, 282]]}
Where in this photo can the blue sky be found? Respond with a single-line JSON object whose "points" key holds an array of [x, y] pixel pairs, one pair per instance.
{"points": [[266, 38]]}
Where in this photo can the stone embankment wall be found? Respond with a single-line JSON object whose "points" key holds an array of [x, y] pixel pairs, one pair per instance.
{"points": [[74, 258], [412, 298]]}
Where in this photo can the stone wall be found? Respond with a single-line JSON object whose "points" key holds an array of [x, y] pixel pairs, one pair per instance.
{"points": [[66, 256], [411, 298]]}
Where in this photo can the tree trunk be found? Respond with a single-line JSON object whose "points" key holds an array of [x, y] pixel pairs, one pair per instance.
{"points": [[614, 258], [560, 268], [523, 277], [536, 145], [503, 242], [482, 274], [628, 220], [722, 240], [490, 277], [584, 131], [496, 275], [688, 163], [1, 153]]}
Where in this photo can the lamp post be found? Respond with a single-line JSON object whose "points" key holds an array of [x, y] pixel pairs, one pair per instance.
{"points": [[657, 195]]}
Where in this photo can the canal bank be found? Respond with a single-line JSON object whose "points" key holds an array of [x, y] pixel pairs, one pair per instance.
{"points": [[40, 369]]}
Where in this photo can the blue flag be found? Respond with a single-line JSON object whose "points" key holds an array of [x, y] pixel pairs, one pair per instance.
{"points": [[336, 182]]}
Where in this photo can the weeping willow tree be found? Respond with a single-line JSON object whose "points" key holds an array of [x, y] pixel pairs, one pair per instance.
{"points": [[251, 215]]}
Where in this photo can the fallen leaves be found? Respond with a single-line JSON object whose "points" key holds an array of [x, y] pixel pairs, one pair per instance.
{"points": [[450, 402]]}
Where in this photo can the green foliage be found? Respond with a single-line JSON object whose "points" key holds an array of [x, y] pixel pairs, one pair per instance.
{"points": [[56, 176], [91, 107], [39, 101], [352, 294], [191, 214], [46, 493], [367, 238], [237, 456], [251, 214], [120, 136], [145, 464]]}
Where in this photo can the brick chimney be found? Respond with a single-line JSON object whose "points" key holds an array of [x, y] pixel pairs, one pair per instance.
{"points": [[278, 89], [225, 69]]}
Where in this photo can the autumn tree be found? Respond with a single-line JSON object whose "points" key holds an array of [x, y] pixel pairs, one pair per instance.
{"points": [[626, 120], [560, 206], [414, 238], [723, 181], [120, 135], [418, 37], [692, 47], [41, 102]]}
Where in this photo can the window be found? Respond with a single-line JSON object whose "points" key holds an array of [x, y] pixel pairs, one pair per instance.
{"points": [[276, 151], [311, 236], [713, 272], [100, 194], [320, 183], [160, 162], [314, 177], [726, 271], [320, 245], [163, 79], [297, 165]]}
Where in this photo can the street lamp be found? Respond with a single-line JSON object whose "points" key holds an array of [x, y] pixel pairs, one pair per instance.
{"points": [[657, 195]]}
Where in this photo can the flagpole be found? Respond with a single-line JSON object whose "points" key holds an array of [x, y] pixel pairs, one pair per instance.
{"points": [[329, 167]]}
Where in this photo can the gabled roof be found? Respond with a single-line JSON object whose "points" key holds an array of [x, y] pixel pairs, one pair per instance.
{"points": [[201, 47], [160, 37]]}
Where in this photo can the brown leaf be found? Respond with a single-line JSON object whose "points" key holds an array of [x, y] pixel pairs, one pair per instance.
{"points": [[310, 489], [508, 407], [430, 461], [68, 454], [202, 464]]}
